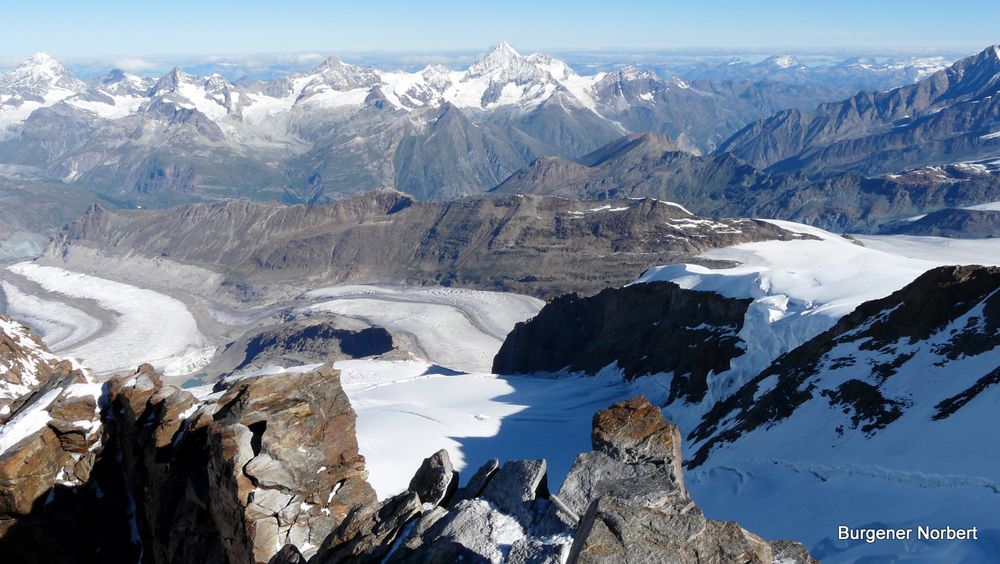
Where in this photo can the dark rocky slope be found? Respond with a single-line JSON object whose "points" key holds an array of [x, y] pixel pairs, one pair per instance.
{"points": [[951, 222], [304, 341], [642, 329], [533, 245]]}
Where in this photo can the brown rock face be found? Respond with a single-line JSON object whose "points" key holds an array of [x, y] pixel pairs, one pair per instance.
{"points": [[25, 364], [527, 244], [273, 462], [634, 430], [269, 472], [48, 451], [285, 453]]}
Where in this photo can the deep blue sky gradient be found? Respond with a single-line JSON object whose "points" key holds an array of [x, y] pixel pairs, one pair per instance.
{"points": [[107, 29]]}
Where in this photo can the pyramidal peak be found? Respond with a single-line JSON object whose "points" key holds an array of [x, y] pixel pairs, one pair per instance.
{"points": [[505, 48], [39, 73], [503, 62], [41, 60]]}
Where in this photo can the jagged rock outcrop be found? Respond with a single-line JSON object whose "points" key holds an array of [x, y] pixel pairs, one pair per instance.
{"points": [[50, 441], [267, 470], [623, 502], [275, 460], [436, 480], [641, 512], [643, 328]]}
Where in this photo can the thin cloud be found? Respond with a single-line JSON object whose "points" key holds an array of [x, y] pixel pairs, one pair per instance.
{"points": [[133, 64]]}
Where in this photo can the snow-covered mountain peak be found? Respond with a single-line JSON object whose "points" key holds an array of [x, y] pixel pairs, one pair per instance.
{"points": [[118, 82], [781, 62], [504, 64], [632, 72], [38, 76], [558, 69], [170, 81], [505, 49], [342, 76]]}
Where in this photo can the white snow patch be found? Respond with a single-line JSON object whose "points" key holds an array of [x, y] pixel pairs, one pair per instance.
{"points": [[31, 419], [149, 326]]}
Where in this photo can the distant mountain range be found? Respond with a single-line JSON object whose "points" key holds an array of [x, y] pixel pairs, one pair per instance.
{"points": [[950, 116], [342, 129], [721, 184], [859, 73]]}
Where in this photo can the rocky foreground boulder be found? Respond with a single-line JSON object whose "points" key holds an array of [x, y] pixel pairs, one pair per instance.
{"points": [[50, 439], [266, 469]]}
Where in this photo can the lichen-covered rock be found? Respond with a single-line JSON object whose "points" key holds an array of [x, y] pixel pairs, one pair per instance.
{"points": [[368, 534], [515, 485], [617, 529], [476, 526]]}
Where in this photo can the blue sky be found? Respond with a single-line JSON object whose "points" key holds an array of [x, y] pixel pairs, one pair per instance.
{"points": [[108, 29]]}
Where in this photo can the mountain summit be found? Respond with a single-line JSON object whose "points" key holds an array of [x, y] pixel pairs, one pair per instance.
{"points": [[39, 76]]}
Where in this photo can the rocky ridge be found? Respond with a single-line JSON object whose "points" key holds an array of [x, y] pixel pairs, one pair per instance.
{"points": [[941, 119], [647, 165], [527, 244], [267, 469]]}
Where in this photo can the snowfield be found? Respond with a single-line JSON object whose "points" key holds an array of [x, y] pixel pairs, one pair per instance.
{"points": [[802, 287], [148, 326], [409, 410], [798, 480], [456, 328]]}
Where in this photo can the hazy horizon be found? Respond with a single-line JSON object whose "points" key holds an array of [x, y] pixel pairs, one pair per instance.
{"points": [[594, 59], [111, 30]]}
